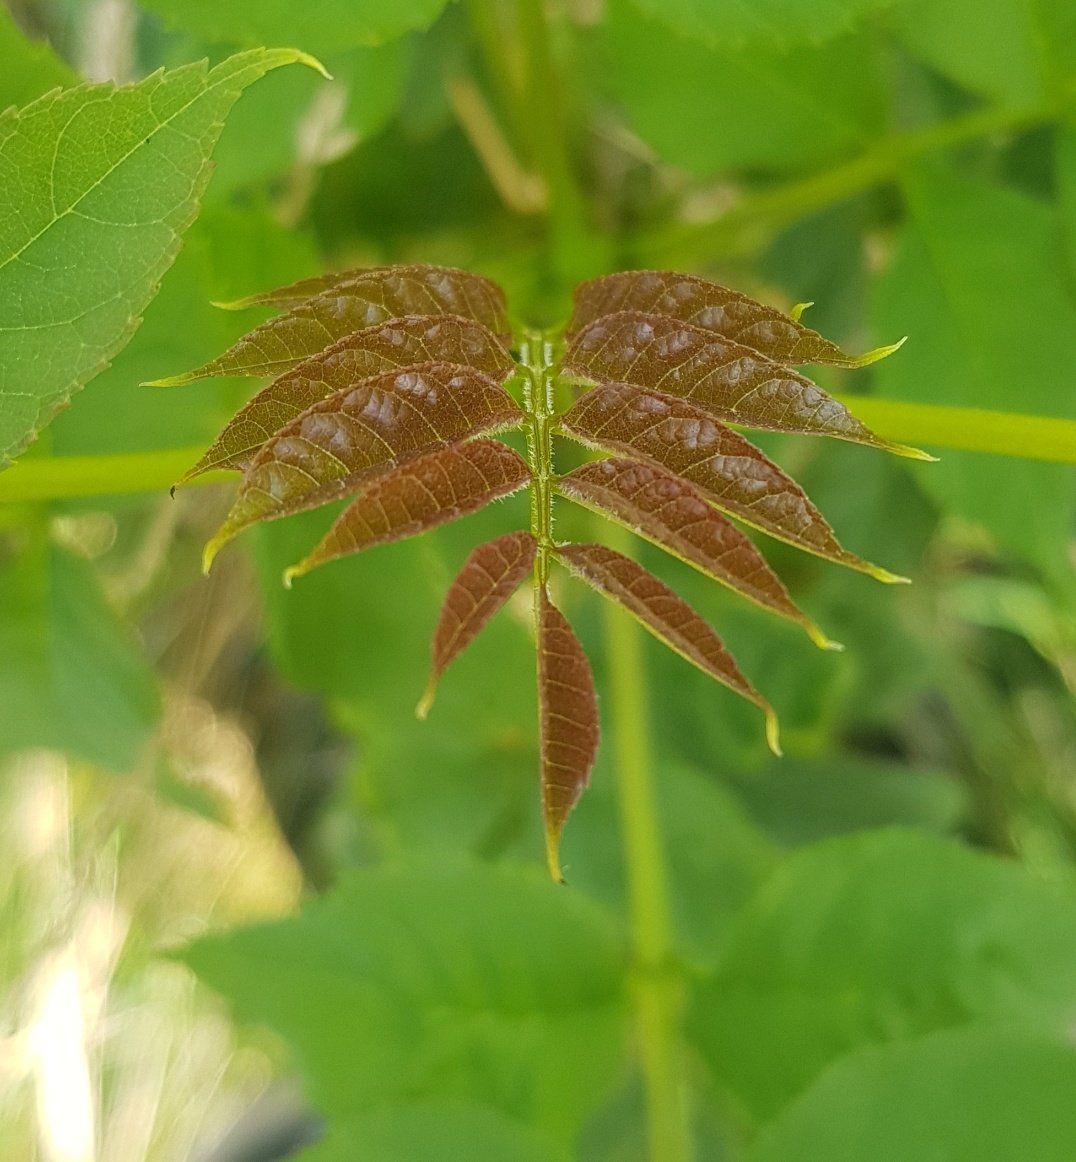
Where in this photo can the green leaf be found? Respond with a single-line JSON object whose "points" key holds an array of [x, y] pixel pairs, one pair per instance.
{"points": [[104, 182], [876, 938], [327, 26], [31, 68], [710, 108], [978, 281], [998, 1094], [778, 21], [70, 678], [448, 981]]}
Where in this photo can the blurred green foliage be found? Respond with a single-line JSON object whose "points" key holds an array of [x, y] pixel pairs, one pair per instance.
{"points": [[847, 978]]}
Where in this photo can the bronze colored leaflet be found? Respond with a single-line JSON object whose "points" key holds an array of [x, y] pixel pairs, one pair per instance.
{"points": [[730, 472], [490, 575], [732, 382], [360, 299], [567, 721], [329, 449], [672, 514], [420, 495], [715, 308], [397, 343], [668, 617]]}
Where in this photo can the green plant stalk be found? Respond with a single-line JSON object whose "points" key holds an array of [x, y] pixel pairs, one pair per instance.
{"points": [[658, 988], [537, 357]]}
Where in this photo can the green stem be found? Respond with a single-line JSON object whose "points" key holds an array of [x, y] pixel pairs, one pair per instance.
{"points": [[658, 987], [537, 356]]}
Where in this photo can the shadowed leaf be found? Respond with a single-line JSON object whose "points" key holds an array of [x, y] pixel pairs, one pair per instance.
{"points": [[730, 381], [730, 472], [358, 299], [490, 575], [397, 343], [715, 308], [668, 617], [567, 719], [330, 448], [420, 495], [673, 515]]}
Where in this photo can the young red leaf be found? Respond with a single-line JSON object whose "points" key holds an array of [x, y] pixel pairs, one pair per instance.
{"points": [[672, 514], [305, 288], [668, 617], [329, 449], [716, 308], [358, 300], [397, 343], [420, 495], [490, 575], [567, 722], [732, 382], [729, 471]]}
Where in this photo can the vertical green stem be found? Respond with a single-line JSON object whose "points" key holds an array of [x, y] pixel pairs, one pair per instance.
{"points": [[657, 985], [537, 357]]}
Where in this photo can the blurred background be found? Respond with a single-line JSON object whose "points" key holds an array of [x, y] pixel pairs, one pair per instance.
{"points": [[181, 755]]}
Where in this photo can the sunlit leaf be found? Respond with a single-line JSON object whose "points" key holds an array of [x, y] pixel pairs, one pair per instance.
{"points": [[353, 435], [354, 300], [715, 308], [730, 472], [730, 381], [668, 617], [490, 575], [419, 495], [394, 344], [671, 513], [567, 720]]}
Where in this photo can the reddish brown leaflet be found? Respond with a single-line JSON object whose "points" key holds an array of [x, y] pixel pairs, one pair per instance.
{"points": [[390, 381]]}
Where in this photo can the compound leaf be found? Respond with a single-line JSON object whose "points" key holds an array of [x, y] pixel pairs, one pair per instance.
{"points": [[672, 514], [383, 422], [729, 471], [352, 301], [715, 308], [396, 344], [668, 617], [490, 575], [100, 184], [730, 381], [420, 495], [567, 721]]}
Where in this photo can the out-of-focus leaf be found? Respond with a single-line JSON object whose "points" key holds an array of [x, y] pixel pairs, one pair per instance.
{"points": [[355, 434], [709, 108], [567, 721], [419, 495], [103, 183], [713, 307], [730, 472], [1002, 1094], [668, 617], [776, 21], [875, 938], [31, 68], [971, 255], [445, 981], [70, 678], [323, 310], [725, 378], [490, 575], [327, 26], [673, 515], [358, 356], [411, 1131]]}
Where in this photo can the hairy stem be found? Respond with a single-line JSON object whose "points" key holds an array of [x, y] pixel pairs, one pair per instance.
{"points": [[657, 985], [537, 357]]}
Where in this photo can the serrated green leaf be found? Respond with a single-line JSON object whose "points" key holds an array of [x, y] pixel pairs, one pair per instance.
{"points": [[1001, 1094], [31, 68], [104, 181], [876, 938], [448, 981]]}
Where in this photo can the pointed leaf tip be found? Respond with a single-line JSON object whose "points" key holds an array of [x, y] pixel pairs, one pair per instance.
{"points": [[773, 740], [798, 310], [877, 354]]}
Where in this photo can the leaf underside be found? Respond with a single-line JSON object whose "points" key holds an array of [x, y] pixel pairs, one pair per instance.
{"points": [[389, 383]]}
